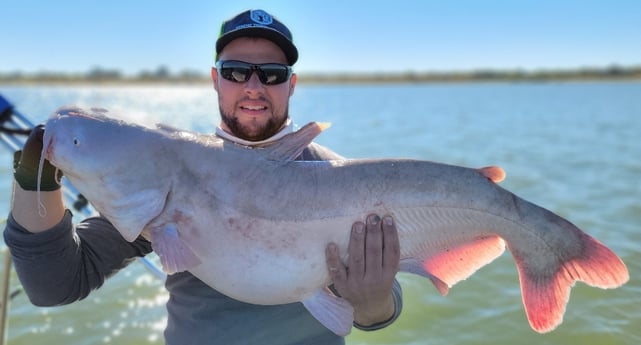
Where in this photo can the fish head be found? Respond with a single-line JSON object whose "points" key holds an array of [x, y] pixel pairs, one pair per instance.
{"points": [[88, 144], [111, 162]]}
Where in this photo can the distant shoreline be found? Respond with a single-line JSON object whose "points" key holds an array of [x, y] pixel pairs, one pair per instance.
{"points": [[163, 76]]}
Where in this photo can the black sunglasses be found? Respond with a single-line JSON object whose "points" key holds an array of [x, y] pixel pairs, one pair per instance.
{"points": [[240, 71]]}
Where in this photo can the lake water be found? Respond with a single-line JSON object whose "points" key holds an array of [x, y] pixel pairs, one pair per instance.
{"points": [[574, 148]]}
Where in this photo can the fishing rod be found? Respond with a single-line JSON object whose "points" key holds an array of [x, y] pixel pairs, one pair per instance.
{"points": [[14, 129]]}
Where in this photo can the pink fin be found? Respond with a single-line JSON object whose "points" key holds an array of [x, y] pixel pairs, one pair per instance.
{"points": [[494, 173], [545, 294], [457, 263], [416, 267], [175, 255]]}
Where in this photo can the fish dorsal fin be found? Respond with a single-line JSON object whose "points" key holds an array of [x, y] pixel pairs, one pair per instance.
{"points": [[292, 145]]}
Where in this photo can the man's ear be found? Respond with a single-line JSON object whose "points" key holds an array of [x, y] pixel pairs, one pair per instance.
{"points": [[292, 84], [214, 78]]}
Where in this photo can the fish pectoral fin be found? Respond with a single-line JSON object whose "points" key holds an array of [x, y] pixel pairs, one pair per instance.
{"points": [[453, 264], [132, 213], [333, 312], [175, 255]]}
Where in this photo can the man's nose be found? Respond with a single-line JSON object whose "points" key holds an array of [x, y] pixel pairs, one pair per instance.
{"points": [[254, 84]]}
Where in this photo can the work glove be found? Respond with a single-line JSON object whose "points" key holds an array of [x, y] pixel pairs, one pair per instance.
{"points": [[26, 161]]}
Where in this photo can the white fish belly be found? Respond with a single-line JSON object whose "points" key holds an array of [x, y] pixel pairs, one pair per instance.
{"points": [[266, 262]]}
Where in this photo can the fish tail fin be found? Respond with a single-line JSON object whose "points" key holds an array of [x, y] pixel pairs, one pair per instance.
{"points": [[447, 267], [545, 293]]}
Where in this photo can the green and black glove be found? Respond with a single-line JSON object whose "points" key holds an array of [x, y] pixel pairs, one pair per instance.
{"points": [[26, 161]]}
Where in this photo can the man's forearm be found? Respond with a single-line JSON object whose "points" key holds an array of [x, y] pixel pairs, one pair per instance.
{"points": [[65, 263], [37, 214]]}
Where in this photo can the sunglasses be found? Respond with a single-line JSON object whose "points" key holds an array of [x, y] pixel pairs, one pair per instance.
{"points": [[240, 72]]}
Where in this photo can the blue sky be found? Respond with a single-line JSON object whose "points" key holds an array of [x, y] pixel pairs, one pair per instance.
{"points": [[332, 36]]}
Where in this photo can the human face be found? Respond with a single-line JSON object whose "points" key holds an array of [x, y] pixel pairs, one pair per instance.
{"points": [[251, 110]]}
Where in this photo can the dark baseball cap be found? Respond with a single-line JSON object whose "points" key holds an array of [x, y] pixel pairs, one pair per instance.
{"points": [[258, 23]]}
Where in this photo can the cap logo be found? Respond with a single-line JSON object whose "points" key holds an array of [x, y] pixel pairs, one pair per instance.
{"points": [[261, 17]]}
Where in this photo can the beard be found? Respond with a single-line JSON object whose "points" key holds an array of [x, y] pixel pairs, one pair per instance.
{"points": [[269, 129]]}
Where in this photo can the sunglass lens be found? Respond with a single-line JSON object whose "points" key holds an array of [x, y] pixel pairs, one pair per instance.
{"points": [[239, 74], [271, 75]]}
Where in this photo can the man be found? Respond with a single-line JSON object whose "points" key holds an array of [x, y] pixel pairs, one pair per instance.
{"points": [[59, 263]]}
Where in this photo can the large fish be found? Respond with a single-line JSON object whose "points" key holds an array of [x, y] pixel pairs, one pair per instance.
{"points": [[253, 223]]}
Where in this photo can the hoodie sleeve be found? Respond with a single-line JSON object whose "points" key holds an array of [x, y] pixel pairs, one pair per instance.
{"points": [[65, 263]]}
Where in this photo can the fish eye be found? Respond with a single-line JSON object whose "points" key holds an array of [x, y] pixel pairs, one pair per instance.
{"points": [[76, 142]]}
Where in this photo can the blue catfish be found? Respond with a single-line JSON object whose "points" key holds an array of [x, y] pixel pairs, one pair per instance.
{"points": [[253, 223]]}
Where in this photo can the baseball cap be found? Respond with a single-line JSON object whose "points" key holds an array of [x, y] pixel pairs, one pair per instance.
{"points": [[258, 23]]}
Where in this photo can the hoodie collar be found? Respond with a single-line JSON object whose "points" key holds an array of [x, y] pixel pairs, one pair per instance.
{"points": [[287, 129]]}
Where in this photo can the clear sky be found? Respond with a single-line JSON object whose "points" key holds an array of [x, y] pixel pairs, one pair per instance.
{"points": [[331, 35]]}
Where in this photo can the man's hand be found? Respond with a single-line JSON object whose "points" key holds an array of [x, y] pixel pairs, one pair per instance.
{"points": [[373, 262], [26, 205], [26, 164]]}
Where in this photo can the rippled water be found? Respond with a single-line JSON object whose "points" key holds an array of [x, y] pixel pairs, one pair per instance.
{"points": [[573, 148]]}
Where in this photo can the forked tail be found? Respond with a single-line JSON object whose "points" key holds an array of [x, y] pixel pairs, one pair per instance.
{"points": [[545, 294]]}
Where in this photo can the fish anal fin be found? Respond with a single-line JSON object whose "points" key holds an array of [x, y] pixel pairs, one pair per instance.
{"points": [[454, 263], [292, 145], [175, 256], [415, 266], [546, 292], [333, 312]]}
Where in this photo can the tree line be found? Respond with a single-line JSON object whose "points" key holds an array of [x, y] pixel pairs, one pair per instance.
{"points": [[163, 74]]}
